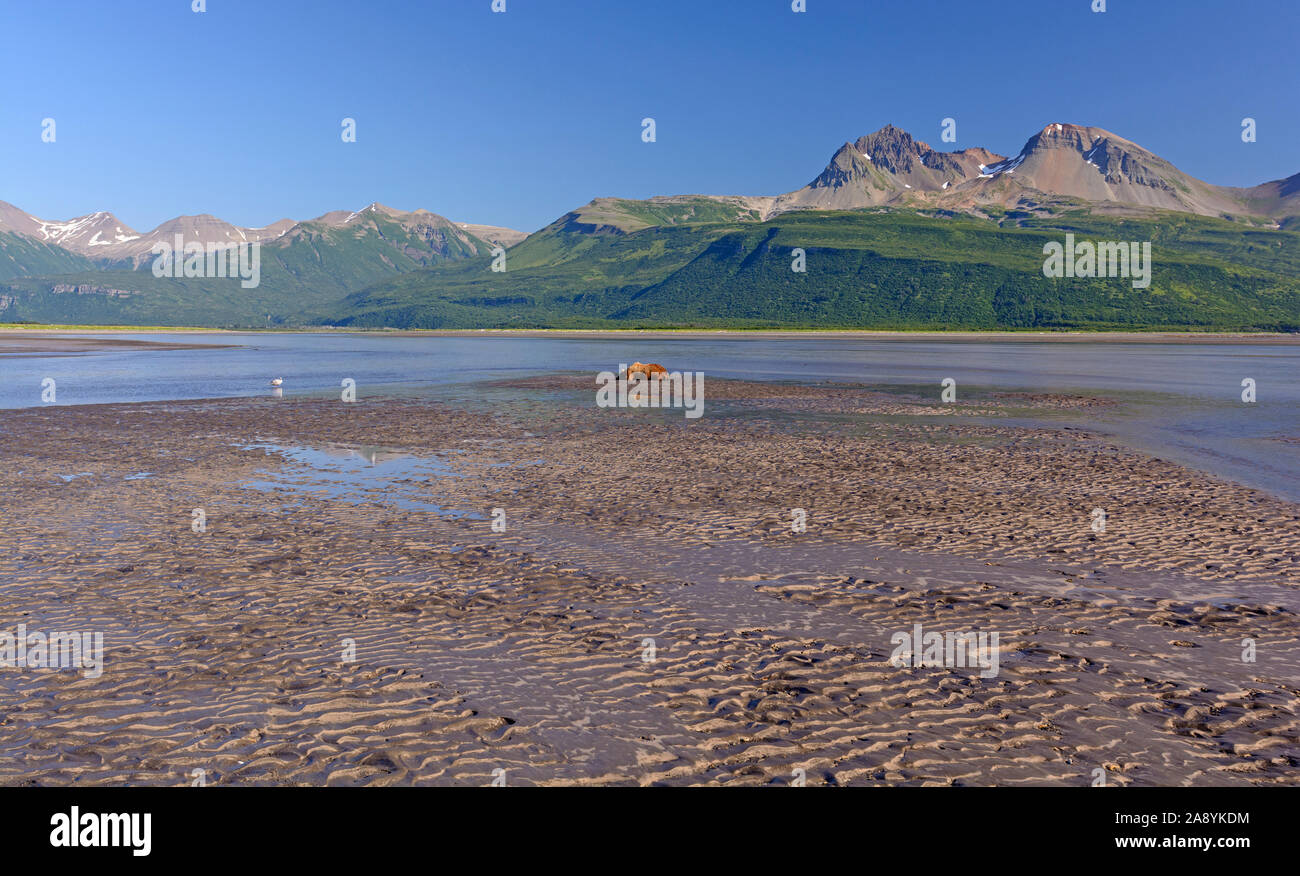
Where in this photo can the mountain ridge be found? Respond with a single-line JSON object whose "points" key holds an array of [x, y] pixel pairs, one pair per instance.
{"points": [[1059, 164], [103, 238], [887, 230], [1060, 167]]}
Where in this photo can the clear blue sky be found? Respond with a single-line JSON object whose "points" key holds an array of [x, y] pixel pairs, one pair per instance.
{"points": [[513, 119]]}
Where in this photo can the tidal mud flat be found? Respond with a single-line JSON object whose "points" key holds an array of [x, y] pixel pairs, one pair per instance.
{"points": [[343, 611], [21, 343]]}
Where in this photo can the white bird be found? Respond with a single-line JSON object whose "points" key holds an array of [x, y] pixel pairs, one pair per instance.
{"points": [[277, 381]]}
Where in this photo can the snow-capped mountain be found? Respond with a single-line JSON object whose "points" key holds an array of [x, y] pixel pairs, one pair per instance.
{"points": [[881, 168], [1059, 165], [105, 239], [85, 234]]}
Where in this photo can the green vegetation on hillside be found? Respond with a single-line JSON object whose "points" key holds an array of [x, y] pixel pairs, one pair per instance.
{"points": [[302, 281], [877, 269], [699, 262], [22, 257], [624, 215]]}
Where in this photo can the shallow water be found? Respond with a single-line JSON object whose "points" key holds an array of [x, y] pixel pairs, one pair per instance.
{"points": [[1180, 401], [358, 475]]}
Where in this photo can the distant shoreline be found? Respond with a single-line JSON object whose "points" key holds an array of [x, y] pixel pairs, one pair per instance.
{"points": [[871, 334], [1159, 337]]}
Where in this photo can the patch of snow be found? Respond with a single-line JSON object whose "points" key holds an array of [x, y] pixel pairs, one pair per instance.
{"points": [[60, 231], [1087, 156], [988, 172]]}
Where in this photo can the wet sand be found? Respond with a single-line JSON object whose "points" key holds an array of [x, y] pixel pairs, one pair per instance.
{"points": [[529, 650], [19, 343]]}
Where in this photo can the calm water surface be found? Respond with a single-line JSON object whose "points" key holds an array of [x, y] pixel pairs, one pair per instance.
{"points": [[1181, 401]]}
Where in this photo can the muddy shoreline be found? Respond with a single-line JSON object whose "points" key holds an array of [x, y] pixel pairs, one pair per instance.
{"points": [[1125, 337], [13, 343], [649, 615]]}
